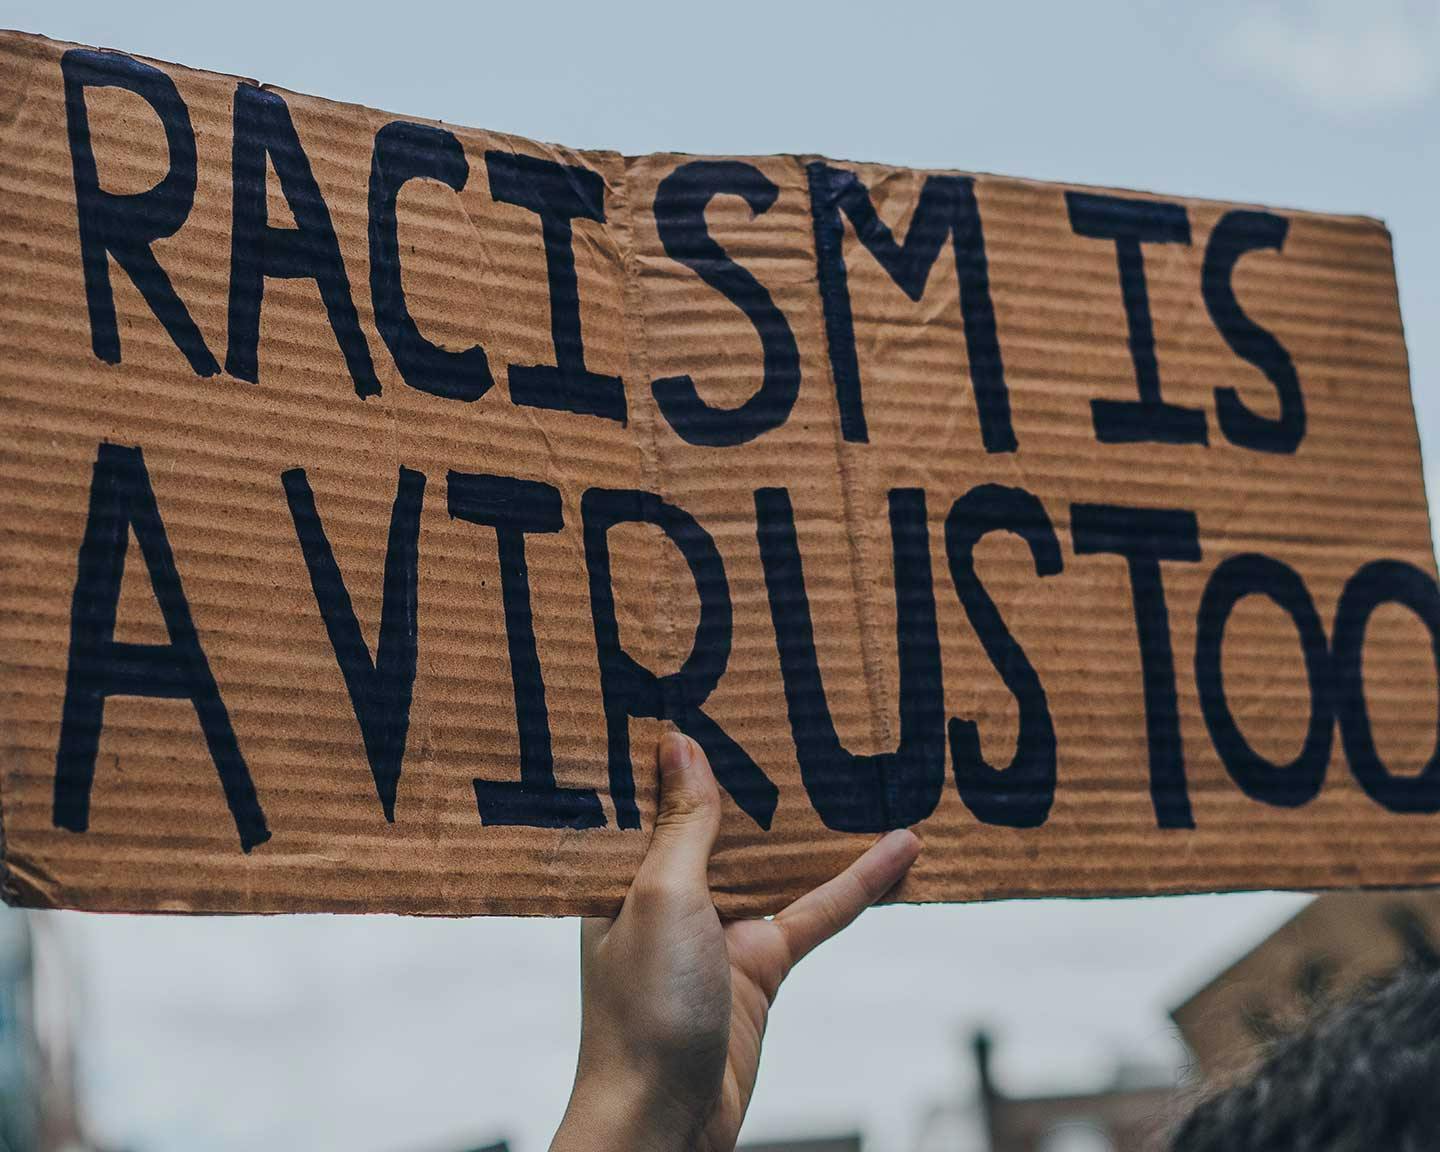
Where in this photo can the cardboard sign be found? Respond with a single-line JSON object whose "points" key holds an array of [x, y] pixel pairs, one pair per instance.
{"points": [[377, 491]]}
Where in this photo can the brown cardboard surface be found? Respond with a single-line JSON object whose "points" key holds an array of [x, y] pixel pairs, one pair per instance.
{"points": [[655, 304]]}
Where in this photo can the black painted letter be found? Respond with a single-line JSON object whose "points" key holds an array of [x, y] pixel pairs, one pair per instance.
{"points": [[380, 689], [1130, 223], [1237, 233], [1284, 785], [125, 226], [947, 207], [1019, 795], [513, 508], [121, 498], [310, 250], [680, 217], [1145, 537], [629, 689], [886, 790], [1381, 582], [558, 194], [405, 152]]}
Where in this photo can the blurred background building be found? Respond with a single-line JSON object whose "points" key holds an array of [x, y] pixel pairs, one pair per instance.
{"points": [[1333, 946], [19, 1065], [1127, 1116], [38, 1106], [1330, 950]]}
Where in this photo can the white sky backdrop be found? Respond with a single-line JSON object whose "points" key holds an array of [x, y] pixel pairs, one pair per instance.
{"points": [[389, 1035]]}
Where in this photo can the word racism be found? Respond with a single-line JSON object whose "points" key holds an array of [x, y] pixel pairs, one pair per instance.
{"points": [[1243, 390]]}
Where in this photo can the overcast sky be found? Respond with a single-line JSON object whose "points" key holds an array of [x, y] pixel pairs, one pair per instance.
{"points": [[391, 1035]]}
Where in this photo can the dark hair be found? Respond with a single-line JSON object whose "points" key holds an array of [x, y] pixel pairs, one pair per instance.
{"points": [[1362, 1076]]}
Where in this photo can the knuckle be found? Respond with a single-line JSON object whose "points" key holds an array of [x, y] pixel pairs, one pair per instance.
{"points": [[653, 891], [770, 976], [835, 912], [869, 887], [687, 806]]}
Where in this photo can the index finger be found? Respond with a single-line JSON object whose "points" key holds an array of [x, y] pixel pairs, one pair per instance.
{"points": [[818, 915]]}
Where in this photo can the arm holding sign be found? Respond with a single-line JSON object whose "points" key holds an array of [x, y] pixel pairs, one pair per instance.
{"points": [[675, 1002]]}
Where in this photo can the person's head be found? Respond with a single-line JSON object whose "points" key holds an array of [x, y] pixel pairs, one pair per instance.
{"points": [[1362, 1076]]}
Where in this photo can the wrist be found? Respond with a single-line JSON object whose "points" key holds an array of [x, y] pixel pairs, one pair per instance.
{"points": [[610, 1110]]}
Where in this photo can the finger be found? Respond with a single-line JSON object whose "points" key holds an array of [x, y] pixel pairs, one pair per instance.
{"points": [[689, 816], [818, 915]]}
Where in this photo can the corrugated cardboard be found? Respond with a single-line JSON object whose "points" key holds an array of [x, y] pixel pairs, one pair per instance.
{"points": [[811, 374]]}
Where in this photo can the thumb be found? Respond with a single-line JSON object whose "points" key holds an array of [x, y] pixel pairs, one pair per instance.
{"points": [[689, 817]]}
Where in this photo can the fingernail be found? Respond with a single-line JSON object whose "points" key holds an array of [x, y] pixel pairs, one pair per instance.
{"points": [[675, 752]]}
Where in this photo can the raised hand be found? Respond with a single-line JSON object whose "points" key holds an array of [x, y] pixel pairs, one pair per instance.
{"points": [[675, 1002]]}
